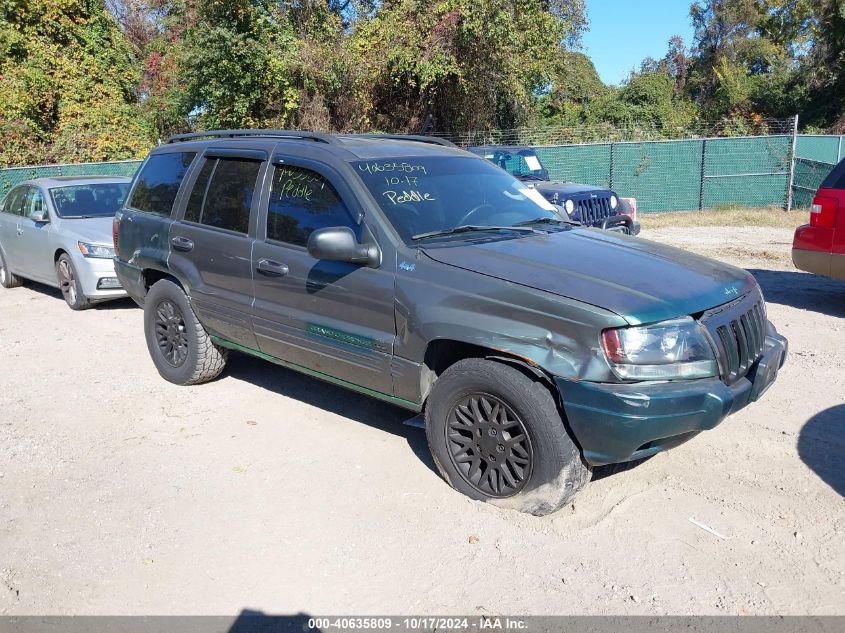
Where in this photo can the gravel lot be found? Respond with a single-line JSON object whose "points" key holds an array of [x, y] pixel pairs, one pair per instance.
{"points": [[270, 491]]}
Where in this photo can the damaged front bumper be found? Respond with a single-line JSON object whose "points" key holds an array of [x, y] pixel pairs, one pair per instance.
{"points": [[623, 422]]}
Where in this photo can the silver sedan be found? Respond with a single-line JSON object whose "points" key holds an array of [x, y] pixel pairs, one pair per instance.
{"points": [[58, 231]]}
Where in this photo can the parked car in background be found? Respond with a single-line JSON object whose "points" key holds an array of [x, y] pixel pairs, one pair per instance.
{"points": [[589, 205], [819, 247], [411, 271], [57, 231]]}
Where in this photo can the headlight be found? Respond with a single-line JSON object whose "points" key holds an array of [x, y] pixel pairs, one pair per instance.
{"points": [[663, 351], [614, 202], [96, 250], [569, 206]]}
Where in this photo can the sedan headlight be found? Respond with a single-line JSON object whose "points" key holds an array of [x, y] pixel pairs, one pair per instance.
{"points": [[662, 351], [614, 202], [96, 250], [569, 205]]}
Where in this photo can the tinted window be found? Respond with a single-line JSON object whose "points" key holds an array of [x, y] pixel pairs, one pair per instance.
{"points": [[159, 180], [228, 196], [194, 208], [302, 201], [14, 201], [89, 201]]}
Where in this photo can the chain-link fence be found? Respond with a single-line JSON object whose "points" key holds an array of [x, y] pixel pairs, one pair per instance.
{"points": [[15, 175], [751, 164]]}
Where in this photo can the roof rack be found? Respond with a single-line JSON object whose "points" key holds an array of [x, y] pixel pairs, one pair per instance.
{"points": [[434, 140], [317, 137]]}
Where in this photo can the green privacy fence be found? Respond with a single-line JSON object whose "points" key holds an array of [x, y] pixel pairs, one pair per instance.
{"points": [[663, 175], [815, 156], [681, 175], [16, 175]]}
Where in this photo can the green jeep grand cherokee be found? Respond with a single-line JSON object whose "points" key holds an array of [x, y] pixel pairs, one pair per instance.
{"points": [[412, 271]]}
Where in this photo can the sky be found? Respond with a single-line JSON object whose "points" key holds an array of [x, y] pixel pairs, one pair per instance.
{"points": [[624, 32]]}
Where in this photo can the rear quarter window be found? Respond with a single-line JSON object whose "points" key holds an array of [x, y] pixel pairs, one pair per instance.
{"points": [[159, 181]]}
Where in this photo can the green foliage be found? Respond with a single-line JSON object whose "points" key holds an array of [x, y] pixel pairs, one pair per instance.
{"points": [[94, 80], [68, 84]]}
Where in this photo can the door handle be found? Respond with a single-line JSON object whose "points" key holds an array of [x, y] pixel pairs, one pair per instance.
{"points": [[271, 268], [182, 244]]}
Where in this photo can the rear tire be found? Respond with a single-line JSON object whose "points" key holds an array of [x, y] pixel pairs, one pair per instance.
{"points": [[181, 349], [69, 284], [7, 279], [497, 436]]}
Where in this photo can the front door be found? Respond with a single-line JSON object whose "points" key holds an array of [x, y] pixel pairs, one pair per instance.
{"points": [[211, 244], [34, 239], [335, 318]]}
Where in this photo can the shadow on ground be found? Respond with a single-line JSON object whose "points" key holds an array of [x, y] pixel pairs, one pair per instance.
{"points": [[249, 621], [331, 398], [804, 291], [123, 303], [821, 445]]}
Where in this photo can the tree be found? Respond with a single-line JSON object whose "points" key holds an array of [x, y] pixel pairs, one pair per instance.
{"points": [[68, 89], [469, 64]]}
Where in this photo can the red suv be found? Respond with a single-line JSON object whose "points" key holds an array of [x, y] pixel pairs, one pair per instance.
{"points": [[819, 247]]}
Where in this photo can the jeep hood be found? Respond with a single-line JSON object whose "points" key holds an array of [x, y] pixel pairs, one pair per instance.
{"points": [[566, 188], [639, 280]]}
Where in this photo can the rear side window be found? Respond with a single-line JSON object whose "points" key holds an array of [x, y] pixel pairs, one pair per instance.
{"points": [[223, 193], [14, 201], [158, 183], [302, 201]]}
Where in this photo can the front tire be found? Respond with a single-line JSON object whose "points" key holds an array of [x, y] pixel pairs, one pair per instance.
{"points": [[7, 279], [181, 349], [69, 284], [497, 436]]}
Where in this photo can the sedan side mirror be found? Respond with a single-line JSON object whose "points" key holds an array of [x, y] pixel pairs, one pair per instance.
{"points": [[339, 244], [39, 216]]}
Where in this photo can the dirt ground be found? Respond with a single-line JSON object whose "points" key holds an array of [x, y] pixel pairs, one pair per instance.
{"points": [[270, 491]]}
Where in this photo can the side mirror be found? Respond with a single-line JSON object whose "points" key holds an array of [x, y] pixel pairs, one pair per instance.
{"points": [[39, 216], [338, 243]]}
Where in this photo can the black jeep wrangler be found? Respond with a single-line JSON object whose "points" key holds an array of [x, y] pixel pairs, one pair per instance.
{"points": [[589, 205], [411, 271]]}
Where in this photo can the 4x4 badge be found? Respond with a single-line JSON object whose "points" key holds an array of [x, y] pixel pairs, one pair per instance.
{"points": [[407, 266]]}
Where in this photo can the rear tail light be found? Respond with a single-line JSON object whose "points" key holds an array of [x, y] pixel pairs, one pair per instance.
{"points": [[629, 208], [823, 212], [114, 224]]}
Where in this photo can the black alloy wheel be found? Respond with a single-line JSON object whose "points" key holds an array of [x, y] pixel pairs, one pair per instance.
{"points": [[170, 333], [489, 445]]}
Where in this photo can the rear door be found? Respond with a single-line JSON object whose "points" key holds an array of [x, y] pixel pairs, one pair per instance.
{"points": [[332, 317], [9, 231], [211, 240]]}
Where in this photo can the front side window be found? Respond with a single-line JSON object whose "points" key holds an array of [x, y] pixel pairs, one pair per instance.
{"points": [[101, 200], [14, 202], [34, 202], [223, 193], [426, 195], [159, 181], [302, 201]]}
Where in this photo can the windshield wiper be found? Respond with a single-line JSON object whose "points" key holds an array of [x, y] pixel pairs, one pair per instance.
{"points": [[466, 228], [531, 177], [547, 220]]}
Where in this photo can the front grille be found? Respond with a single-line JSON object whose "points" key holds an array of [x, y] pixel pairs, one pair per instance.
{"points": [[593, 210], [739, 331]]}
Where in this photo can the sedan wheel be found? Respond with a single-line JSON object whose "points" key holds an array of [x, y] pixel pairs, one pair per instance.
{"points": [[69, 284]]}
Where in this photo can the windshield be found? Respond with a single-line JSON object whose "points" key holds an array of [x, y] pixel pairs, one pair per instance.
{"points": [[428, 195], [521, 163], [89, 201]]}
